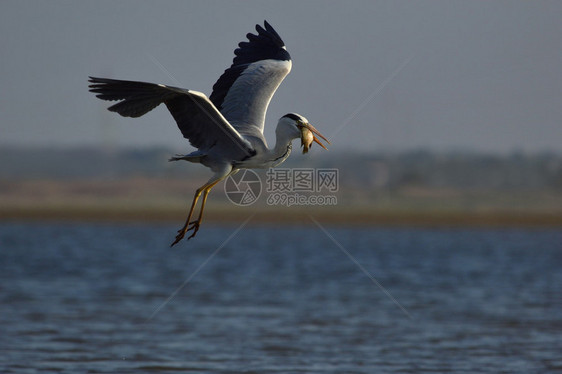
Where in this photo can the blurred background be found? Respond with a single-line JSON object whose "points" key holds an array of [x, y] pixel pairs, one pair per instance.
{"points": [[431, 107]]}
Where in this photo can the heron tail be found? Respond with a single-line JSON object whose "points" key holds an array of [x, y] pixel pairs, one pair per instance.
{"points": [[192, 157]]}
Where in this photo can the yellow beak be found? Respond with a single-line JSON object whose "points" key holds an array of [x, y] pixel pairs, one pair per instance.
{"points": [[308, 133]]}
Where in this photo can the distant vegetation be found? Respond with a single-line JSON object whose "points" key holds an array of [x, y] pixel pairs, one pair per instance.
{"points": [[357, 170], [416, 186]]}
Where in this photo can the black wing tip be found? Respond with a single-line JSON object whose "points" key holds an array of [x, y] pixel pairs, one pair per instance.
{"points": [[266, 35], [266, 44], [98, 80], [270, 33], [269, 29], [98, 83], [93, 80], [94, 84]]}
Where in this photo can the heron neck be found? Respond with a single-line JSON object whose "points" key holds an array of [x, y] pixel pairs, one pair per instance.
{"points": [[281, 151]]}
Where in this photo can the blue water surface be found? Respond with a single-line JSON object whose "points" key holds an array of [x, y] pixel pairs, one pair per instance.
{"points": [[95, 298]]}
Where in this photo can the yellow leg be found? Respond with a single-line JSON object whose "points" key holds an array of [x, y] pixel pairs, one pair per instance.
{"points": [[195, 224], [205, 189], [183, 230]]}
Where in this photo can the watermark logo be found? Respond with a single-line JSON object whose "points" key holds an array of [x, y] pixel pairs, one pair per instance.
{"points": [[285, 186], [243, 188]]}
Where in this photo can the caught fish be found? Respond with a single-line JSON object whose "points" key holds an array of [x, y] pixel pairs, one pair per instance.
{"points": [[306, 139], [307, 136]]}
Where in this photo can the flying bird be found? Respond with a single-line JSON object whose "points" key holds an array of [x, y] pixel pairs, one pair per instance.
{"points": [[227, 127]]}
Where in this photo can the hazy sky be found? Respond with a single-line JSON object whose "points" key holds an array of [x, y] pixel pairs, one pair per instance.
{"points": [[483, 75]]}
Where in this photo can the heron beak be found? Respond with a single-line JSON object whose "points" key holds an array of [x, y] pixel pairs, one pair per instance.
{"points": [[308, 135]]}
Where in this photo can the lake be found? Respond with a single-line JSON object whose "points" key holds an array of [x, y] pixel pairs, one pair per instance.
{"points": [[106, 298]]}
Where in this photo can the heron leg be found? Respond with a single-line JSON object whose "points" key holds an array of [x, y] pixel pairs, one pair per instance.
{"points": [[205, 189], [183, 230], [195, 224]]}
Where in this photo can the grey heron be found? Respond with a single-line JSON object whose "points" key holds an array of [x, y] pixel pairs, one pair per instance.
{"points": [[227, 127]]}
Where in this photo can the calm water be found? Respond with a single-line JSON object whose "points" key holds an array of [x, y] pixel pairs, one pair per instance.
{"points": [[79, 298]]}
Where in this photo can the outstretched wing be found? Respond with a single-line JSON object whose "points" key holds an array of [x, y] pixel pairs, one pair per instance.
{"points": [[242, 94], [198, 119]]}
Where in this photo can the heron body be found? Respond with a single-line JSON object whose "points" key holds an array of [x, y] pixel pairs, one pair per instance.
{"points": [[227, 127]]}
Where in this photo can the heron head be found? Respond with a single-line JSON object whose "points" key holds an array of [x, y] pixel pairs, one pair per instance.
{"points": [[304, 130]]}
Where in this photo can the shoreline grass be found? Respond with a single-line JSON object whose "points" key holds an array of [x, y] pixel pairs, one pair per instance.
{"points": [[167, 200], [294, 215]]}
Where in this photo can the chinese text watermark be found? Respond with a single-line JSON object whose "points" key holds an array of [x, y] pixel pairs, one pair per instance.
{"points": [[285, 186]]}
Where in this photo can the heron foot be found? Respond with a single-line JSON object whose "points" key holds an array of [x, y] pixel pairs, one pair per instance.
{"points": [[179, 236], [195, 227], [181, 232]]}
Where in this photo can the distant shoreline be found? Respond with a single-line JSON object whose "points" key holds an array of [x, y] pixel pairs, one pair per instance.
{"points": [[147, 199], [297, 216]]}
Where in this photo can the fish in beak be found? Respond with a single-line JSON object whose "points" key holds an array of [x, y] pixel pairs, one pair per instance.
{"points": [[308, 135]]}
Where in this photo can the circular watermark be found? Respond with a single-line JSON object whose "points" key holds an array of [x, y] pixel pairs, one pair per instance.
{"points": [[243, 188]]}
